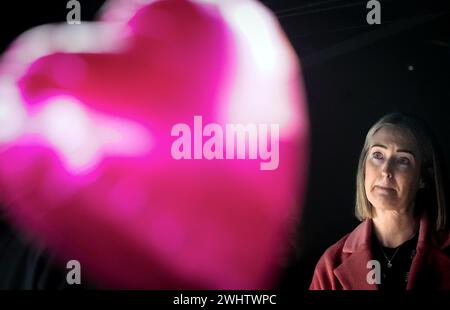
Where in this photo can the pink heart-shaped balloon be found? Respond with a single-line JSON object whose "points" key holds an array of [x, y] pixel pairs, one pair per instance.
{"points": [[89, 160]]}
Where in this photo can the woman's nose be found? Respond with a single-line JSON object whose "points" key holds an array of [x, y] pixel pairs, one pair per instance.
{"points": [[387, 169]]}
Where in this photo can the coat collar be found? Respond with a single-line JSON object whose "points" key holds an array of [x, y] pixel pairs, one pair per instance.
{"points": [[353, 271], [361, 236]]}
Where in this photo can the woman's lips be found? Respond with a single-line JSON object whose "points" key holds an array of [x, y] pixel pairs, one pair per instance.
{"points": [[385, 188]]}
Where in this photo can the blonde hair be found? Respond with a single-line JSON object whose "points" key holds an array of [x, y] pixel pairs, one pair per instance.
{"points": [[430, 199]]}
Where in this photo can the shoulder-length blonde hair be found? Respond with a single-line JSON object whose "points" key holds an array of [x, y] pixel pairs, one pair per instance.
{"points": [[431, 198]]}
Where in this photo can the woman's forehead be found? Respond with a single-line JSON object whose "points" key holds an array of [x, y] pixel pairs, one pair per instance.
{"points": [[394, 136]]}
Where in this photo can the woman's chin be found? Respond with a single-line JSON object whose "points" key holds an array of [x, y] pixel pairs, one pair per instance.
{"points": [[386, 204]]}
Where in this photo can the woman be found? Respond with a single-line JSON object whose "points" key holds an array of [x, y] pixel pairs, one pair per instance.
{"points": [[402, 242]]}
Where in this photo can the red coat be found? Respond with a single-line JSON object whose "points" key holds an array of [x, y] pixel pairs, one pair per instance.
{"points": [[343, 266]]}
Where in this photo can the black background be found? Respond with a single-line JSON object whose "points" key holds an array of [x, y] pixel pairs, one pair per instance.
{"points": [[353, 73]]}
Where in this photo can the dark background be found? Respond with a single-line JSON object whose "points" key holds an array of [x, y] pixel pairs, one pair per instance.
{"points": [[353, 73]]}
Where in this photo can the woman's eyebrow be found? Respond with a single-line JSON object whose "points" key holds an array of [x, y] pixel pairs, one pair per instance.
{"points": [[406, 151], [398, 151], [379, 145]]}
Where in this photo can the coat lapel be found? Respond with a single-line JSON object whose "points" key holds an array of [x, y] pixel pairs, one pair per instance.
{"points": [[353, 271], [430, 267]]}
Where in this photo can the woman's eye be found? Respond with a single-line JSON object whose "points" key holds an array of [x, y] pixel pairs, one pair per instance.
{"points": [[377, 155], [404, 161]]}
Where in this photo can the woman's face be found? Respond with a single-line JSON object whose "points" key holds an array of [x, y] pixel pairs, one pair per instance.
{"points": [[392, 171]]}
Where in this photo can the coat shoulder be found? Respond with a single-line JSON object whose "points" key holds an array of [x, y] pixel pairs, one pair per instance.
{"points": [[323, 278], [334, 252]]}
